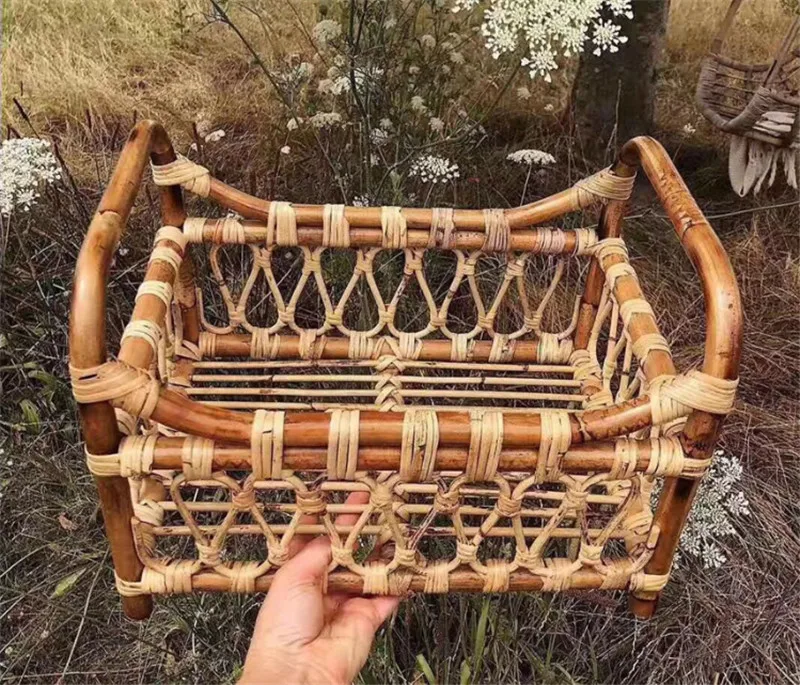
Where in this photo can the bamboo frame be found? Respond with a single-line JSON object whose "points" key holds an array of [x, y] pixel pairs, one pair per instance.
{"points": [[594, 434]]}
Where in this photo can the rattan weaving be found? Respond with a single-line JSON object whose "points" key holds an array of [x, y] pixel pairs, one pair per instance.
{"points": [[499, 387], [759, 105]]}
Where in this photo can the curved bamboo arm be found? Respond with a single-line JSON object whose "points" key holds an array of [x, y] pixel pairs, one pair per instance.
{"points": [[87, 333], [722, 349], [721, 292]]}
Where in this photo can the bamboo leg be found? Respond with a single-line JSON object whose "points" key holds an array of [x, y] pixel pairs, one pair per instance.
{"points": [[698, 438]]}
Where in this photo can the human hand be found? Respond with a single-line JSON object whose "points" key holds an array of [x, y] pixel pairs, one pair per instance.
{"points": [[303, 636]]}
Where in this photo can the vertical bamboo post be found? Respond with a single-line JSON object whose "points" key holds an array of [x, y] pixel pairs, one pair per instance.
{"points": [[722, 347], [609, 226]]}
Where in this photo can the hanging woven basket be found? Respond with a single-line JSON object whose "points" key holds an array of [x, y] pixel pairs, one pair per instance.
{"points": [[759, 105]]}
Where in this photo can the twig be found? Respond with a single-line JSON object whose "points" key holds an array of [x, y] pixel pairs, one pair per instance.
{"points": [[100, 567]]}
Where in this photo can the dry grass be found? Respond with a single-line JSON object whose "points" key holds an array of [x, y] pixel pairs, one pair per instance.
{"points": [[736, 624]]}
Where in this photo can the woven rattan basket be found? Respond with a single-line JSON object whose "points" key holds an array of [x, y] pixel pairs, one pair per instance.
{"points": [[497, 385]]}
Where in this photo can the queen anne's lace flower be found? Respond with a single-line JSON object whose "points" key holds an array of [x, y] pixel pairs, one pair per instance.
{"points": [[433, 169], [418, 104], [718, 498], [26, 166], [379, 136], [428, 41], [550, 28], [326, 31], [325, 119], [531, 157], [436, 124]]}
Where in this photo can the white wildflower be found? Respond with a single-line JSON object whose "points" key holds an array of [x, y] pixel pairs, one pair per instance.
{"points": [[427, 41], [549, 107], [531, 157], [386, 124], [436, 125], [214, 136], [292, 124], [390, 23], [718, 498], [325, 86], [285, 150], [325, 119], [433, 169], [523, 93], [689, 129], [607, 37], [123, 251], [413, 70], [26, 166], [548, 29], [445, 69], [341, 85], [326, 31], [374, 160], [378, 137], [361, 201], [456, 57], [418, 104]]}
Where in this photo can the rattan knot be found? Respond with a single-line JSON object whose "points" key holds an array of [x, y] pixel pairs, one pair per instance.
{"points": [[405, 556], [381, 497], [311, 502], [508, 507], [245, 499], [527, 559], [342, 556], [447, 502], [575, 498], [208, 554], [413, 262], [589, 554], [466, 552], [515, 268], [363, 262], [333, 318], [376, 578], [278, 556]]}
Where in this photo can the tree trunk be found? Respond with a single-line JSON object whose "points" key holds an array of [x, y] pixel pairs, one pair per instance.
{"points": [[613, 97]]}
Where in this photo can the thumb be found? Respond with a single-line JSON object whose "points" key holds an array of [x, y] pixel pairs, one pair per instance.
{"points": [[294, 611]]}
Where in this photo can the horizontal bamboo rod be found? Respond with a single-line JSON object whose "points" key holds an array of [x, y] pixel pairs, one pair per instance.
{"points": [[535, 241], [382, 429], [538, 212], [430, 532], [459, 581], [239, 345], [579, 459], [370, 392], [243, 405], [371, 363], [404, 508], [406, 380]]}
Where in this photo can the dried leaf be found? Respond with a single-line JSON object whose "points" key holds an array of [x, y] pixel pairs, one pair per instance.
{"points": [[67, 583], [66, 523]]}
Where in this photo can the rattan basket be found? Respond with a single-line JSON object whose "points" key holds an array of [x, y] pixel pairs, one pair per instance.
{"points": [[497, 384]]}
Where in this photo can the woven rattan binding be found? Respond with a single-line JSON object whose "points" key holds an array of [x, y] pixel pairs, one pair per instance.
{"points": [[287, 355]]}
